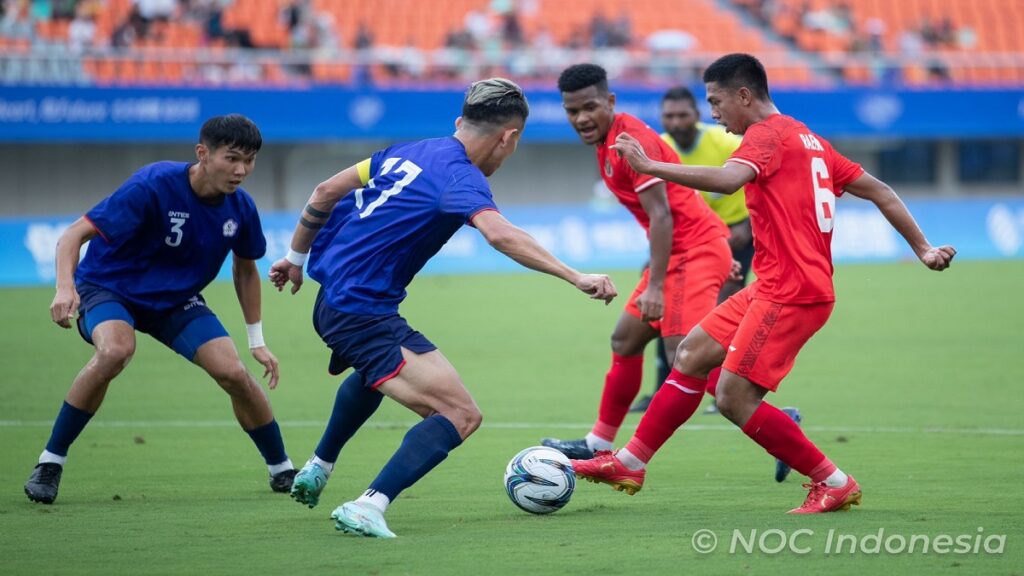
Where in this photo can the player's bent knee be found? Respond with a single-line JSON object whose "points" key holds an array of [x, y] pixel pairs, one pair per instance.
{"points": [[466, 419], [233, 379], [115, 355], [697, 356]]}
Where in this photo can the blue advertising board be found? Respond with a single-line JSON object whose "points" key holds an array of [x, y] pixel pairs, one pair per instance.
{"points": [[598, 239], [62, 114]]}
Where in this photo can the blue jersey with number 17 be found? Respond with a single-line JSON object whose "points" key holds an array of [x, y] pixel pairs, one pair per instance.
{"points": [[378, 237]]}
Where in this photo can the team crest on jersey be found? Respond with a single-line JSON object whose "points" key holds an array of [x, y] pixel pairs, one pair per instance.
{"points": [[608, 167], [230, 228]]}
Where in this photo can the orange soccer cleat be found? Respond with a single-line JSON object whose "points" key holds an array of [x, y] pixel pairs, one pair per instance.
{"points": [[605, 468], [821, 498]]}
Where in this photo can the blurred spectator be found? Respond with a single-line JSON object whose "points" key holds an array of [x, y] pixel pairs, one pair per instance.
{"points": [[478, 25], [364, 37], [132, 30], [511, 30], [159, 10], [621, 31], [16, 22], [600, 30], [81, 31], [63, 9]]}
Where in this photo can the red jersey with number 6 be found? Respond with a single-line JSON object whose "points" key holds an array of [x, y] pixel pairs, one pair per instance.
{"points": [[792, 203]]}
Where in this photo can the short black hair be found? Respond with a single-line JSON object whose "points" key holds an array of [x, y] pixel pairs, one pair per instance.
{"points": [[735, 71], [494, 101], [231, 130], [580, 76], [679, 93]]}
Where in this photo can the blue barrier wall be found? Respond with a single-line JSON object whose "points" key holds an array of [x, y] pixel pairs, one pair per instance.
{"points": [[597, 239], [38, 114]]}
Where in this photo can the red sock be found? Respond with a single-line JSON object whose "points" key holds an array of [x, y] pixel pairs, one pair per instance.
{"points": [[713, 380], [783, 438], [621, 386], [673, 404]]}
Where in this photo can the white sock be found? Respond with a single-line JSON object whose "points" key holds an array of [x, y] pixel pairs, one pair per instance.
{"points": [[629, 460], [48, 457], [327, 466], [596, 443], [376, 499], [836, 479], [280, 467]]}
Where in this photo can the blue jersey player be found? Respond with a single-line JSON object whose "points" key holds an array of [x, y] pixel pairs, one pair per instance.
{"points": [[154, 244], [367, 231]]}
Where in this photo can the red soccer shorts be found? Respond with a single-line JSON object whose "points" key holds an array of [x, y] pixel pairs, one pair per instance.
{"points": [[762, 338], [692, 283]]}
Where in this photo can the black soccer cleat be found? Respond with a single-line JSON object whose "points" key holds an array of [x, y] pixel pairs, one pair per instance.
{"points": [[43, 482], [282, 481], [573, 449]]}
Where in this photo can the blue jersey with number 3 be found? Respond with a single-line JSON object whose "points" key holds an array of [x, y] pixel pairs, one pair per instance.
{"points": [[159, 244], [379, 236]]}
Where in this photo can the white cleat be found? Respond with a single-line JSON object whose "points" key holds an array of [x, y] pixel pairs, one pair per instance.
{"points": [[357, 518]]}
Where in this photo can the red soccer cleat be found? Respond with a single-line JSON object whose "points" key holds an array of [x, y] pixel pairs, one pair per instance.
{"points": [[605, 468], [824, 499]]}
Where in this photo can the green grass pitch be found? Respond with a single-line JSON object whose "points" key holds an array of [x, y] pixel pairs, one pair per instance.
{"points": [[914, 386]]}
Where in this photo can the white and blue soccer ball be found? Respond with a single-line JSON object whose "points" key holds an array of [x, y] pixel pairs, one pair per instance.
{"points": [[540, 480]]}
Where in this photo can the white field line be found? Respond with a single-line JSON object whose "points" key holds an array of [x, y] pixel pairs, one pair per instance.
{"points": [[580, 426]]}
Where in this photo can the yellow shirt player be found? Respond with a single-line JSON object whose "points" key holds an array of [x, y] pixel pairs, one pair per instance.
{"points": [[702, 145]]}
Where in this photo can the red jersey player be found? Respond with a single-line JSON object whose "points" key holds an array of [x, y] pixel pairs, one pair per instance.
{"points": [[792, 178], [690, 255]]}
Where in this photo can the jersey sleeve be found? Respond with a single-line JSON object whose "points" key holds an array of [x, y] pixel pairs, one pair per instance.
{"points": [[373, 164], [252, 244], [121, 214], [844, 171], [654, 147], [759, 150], [467, 197]]}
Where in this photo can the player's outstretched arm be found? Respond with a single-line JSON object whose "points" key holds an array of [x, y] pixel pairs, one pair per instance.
{"points": [[515, 243], [69, 246], [895, 211], [314, 216], [247, 287], [722, 180]]}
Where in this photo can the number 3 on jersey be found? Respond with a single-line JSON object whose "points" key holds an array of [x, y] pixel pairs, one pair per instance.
{"points": [[411, 171], [824, 198]]}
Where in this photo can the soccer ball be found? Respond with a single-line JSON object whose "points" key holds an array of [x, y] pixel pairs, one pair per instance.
{"points": [[539, 480]]}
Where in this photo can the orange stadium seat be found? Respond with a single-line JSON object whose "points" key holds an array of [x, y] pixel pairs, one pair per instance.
{"points": [[996, 25]]}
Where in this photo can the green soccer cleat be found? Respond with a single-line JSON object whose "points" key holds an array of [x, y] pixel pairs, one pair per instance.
{"points": [[308, 484], [356, 518]]}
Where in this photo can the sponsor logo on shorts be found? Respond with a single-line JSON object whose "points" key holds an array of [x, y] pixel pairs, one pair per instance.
{"points": [[193, 302]]}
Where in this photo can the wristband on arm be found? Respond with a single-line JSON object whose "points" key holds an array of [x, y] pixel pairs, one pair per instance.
{"points": [[255, 332], [296, 258]]}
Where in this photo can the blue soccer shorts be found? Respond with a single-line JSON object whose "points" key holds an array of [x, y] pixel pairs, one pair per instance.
{"points": [[372, 345], [183, 328]]}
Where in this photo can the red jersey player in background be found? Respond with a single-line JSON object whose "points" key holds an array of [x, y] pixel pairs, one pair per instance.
{"points": [[792, 178], [690, 255]]}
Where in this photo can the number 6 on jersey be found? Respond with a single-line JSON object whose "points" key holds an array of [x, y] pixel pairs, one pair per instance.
{"points": [[824, 198]]}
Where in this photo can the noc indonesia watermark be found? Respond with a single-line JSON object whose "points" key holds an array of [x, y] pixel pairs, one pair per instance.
{"points": [[835, 541]]}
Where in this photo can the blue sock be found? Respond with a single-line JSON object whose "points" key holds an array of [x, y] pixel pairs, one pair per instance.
{"points": [[268, 439], [425, 445], [69, 424], [353, 406]]}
